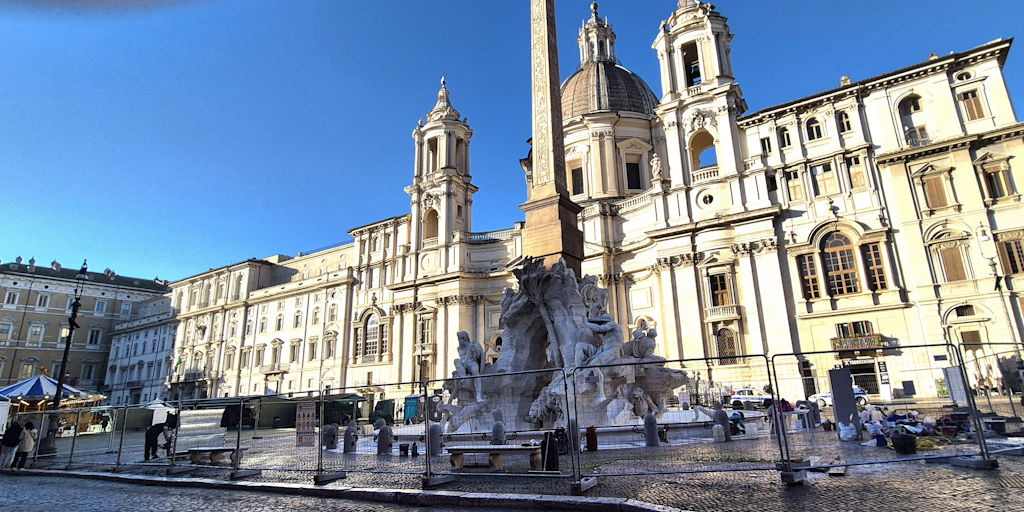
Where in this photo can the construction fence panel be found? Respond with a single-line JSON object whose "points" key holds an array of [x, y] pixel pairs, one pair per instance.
{"points": [[686, 398], [383, 423], [274, 434], [129, 428], [897, 389], [994, 374], [60, 426], [514, 423], [96, 437]]}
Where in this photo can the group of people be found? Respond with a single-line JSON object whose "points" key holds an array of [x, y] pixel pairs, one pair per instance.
{"points": [[17, 442]]}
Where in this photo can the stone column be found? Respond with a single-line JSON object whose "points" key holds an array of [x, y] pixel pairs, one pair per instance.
{"points": [[551, 230]]}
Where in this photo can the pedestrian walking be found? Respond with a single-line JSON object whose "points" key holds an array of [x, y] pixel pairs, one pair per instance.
{"points": [[9, 443], [29, 435]]}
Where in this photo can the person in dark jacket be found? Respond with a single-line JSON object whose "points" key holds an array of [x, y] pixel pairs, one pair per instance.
{"points": [[9, 443], [153, 436]]}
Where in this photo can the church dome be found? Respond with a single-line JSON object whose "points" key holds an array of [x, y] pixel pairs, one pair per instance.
{"points": [[604, 85]]}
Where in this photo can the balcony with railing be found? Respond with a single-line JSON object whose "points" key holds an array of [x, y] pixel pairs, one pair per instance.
{"points": [[274, 368], [862, 342], [721, 313], [705, 173]]}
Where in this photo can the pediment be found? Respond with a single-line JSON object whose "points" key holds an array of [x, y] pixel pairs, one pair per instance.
{"points": [[634, 143]]}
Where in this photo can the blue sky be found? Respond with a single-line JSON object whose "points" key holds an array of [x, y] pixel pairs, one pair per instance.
{"points": [[183, 135]]}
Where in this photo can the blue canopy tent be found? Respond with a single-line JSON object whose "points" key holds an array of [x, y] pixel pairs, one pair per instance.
{"points": [[39, 386]]}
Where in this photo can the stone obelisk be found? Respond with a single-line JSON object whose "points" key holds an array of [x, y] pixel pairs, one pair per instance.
{"points": [[551, 230]]}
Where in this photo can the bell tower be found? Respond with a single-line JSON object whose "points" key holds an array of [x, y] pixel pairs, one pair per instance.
{"points": [[700, 104], [441, 192]]}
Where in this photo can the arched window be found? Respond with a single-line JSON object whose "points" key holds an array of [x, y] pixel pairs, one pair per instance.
{"points": [[912, 117], [948, 250], [332, 313], [843, 122], [702, 150], [840, 265], [316, 315], [813, 129], [279, 324], [726, 344], [784, 141], [430, 228], [238, 287], [263, 325], [178, 300], [375, 244], [372, 342], [297, 321]]}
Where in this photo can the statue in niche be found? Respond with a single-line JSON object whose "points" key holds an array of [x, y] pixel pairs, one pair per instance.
{"points": [[656, 166], [470, 362]]}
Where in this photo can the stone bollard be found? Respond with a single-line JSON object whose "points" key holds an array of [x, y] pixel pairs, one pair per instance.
{"points": [[651, 429], [385, 440], [435, 439], [330, 436], [720, 417], [498, 433], [350, 438]]}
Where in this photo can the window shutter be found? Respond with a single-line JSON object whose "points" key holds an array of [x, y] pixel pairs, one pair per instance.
{"points": [[934, 192], [953, 264]]}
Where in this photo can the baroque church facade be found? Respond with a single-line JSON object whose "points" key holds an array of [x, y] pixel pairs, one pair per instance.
{"points": [[882, 213]]}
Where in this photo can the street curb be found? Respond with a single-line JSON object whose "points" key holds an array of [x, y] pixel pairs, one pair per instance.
{"points": [[400, 496]]}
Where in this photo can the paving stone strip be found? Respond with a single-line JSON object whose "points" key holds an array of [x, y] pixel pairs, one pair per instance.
{"points": [[400, 496]]}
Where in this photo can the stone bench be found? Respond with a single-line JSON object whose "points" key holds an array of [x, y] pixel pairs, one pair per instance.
{"points": [[215, 455], [496, 454]]}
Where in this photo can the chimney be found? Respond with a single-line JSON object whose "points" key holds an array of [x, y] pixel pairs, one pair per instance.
{"points": [[844, 80]]}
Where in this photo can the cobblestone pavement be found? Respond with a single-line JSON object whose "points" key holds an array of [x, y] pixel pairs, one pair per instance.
{"points": [[24, 494], [743, 482]]}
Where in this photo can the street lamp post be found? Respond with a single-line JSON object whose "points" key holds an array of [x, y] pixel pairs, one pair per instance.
{"points": [[48, 445]]}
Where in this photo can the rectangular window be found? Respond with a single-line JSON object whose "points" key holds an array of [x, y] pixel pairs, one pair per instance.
{"points": [[966, 310], [934, 192], [94, 336], [972, 105], [328, 348], [719, 288], [35, 332], [101, 308], [5, 331], [43, 301], [808, 276], [953, 264], [856, 170], [875, 267], [298, 302], [88, 371], [126, 310], [795, 186], [312, 351], [1011, 252], [27, 370], [824, 179], [633, 175], [280, 305], [11, 299], [71, 302], [997, 183], [258, 358], [229, 361], [245, 359], [766, 146], [577, 180]]}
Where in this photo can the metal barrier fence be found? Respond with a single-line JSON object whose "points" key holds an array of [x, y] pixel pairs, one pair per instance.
{"points": [[890, 384], [372, 450], [587, 424], [994, 372], [686, 397], [462, 412]]}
